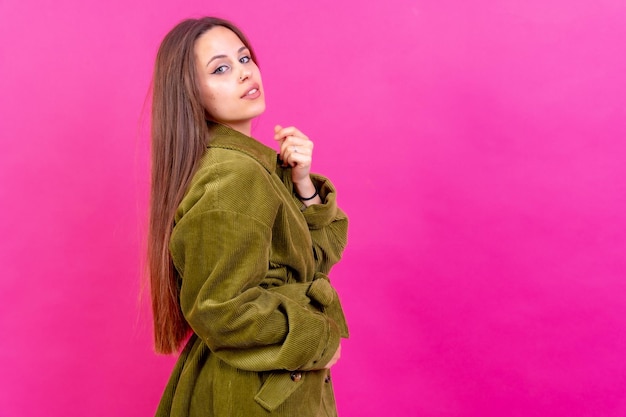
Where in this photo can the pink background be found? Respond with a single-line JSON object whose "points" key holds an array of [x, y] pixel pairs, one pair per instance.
{"points": [[478, 148]]}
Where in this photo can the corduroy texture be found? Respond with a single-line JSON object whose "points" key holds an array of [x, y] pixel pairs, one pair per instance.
{"points": [[254, 288]]}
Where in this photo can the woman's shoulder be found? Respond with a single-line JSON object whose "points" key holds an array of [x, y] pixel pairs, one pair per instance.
{"points": [[222, 164], [227, 180]]}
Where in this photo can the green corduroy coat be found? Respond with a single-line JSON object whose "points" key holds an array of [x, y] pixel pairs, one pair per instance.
{"points": [[254, 288]]}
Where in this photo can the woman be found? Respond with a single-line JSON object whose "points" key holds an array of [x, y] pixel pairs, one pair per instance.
{"points": [[240, 240]]}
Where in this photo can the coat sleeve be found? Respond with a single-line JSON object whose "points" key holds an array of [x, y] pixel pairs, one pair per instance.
{"points": [[328, 226], [222, 255]]}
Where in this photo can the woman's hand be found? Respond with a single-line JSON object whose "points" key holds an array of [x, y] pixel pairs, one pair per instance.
{"points": [[334, 359], [296, 151]]}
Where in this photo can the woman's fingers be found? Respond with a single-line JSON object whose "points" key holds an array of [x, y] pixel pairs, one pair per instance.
{"points": [[283, 132], [296, 149]]}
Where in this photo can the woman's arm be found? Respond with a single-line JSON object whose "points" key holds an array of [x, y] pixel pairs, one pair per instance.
{"points": [[327, 223], [222, 257], [328, 226]]}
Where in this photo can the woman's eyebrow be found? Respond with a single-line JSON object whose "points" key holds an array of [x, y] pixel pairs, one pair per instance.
{"points": [[243, 48]]}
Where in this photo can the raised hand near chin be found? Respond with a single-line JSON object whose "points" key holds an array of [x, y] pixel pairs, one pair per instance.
{"points": [[296, 151]]}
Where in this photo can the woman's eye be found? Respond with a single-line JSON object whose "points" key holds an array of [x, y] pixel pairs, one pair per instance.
{"points": [[221, 69], [244, 59]]}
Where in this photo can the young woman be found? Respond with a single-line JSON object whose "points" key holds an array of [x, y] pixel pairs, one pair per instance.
{"points": [[241, 240]]}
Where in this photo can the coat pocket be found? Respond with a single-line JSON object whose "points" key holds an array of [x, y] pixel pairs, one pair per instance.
{"points": [[277, 388]]}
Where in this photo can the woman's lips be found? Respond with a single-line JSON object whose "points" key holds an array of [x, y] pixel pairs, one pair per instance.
{"points": [[252, 93]]}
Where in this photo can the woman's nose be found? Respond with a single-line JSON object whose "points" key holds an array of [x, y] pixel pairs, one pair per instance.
{"points": [[245, 74]]}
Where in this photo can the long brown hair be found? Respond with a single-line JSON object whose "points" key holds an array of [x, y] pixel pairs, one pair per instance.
{"points": [[179, 139]]}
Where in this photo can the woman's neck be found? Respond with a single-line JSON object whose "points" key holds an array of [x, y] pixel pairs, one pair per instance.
{"points": [[244, 127]]}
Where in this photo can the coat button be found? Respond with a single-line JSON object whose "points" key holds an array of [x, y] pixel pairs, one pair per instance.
{"points": [[327, 379], [296, 376]]}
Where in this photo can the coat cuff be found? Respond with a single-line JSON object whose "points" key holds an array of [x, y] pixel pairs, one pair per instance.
{"points": [[328, 346], [320, 215]]}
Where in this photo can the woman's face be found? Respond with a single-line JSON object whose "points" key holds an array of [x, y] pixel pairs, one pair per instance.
{"points": [[230, 83]]}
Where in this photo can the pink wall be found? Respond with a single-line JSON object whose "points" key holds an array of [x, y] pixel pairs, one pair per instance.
{"points": [[480, 151]]}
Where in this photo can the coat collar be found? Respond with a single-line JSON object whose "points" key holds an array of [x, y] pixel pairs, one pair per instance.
{"points": [[222, 136]]}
